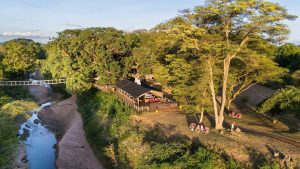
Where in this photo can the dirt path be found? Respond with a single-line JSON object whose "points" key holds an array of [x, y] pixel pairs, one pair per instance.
{"points": [[74, 151]]}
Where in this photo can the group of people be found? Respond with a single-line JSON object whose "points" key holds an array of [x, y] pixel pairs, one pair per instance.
{"points": [[198, 128], [201, 127], [235, 115]]}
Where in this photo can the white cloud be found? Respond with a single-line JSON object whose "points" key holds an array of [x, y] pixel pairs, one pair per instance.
{"points": [[29, 34], [73, 25]]}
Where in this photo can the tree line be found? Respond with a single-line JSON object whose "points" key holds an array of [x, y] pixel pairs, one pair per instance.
{"points": [[218, 49]]}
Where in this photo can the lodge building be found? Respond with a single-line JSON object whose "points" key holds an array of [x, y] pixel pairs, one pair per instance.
{"points": [[142, 98]]}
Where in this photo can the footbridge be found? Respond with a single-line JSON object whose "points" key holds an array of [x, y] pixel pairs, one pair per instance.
{"points": [[32, 82]]}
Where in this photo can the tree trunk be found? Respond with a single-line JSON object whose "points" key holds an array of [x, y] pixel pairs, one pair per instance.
{"points": [[213, 93], [228, 104], [219, 125], [201, 115], [224, 89]]}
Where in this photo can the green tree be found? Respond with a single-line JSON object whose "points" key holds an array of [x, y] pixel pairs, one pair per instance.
{"points": [[86, 55], [185, 65], [285, 100], [263, 47], [20, 56], [288, 56], [144, 55], [236, 22]]}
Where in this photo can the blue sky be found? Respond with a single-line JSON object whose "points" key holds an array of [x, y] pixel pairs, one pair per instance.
{"points": [[41, 19]]}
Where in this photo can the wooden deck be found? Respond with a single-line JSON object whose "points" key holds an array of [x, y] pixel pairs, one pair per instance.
{"points": [[130, 103], [166, 105], [147, 106]]}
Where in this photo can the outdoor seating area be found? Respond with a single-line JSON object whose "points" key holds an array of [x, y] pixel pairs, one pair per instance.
{"points": [[235, 115], [200, 128]]}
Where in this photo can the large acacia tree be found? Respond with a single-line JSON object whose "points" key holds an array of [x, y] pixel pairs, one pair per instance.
{"points": [[182, 65], [236, 22]]}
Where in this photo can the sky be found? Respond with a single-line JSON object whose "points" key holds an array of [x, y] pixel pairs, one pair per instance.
{"points": [[42, 19]]}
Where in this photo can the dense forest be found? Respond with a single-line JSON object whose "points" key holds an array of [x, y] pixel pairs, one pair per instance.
{"points": [[217, 49]]}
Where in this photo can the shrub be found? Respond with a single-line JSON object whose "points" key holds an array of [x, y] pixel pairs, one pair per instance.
{"points": [[285, 100], [272, 165], [18, 108]]}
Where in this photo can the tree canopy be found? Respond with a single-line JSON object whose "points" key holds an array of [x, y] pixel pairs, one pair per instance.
{"points": [[84, 55], [285, 100], [230, 25], [20, 56], [183, 65], [288, 56], [142, 58]]}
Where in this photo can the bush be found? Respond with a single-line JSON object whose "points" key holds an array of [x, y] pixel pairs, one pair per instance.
{"points": [[18, 108], [14, 93], [161, 153], [296, 78], [268, 165]]}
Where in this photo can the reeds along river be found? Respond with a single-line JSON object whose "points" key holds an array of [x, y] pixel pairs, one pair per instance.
{"points": [[39, 142]]}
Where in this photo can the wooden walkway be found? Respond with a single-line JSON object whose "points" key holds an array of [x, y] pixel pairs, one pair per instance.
{"points": [[32, 82]]}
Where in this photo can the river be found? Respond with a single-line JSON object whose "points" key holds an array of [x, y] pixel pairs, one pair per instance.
{"points": [[39, 142]]}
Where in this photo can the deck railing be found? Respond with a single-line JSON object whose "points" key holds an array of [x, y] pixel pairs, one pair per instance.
{"points": [[128, 102]]}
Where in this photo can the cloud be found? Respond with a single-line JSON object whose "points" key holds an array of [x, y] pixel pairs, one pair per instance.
{"points": [[73, 25], [29, 34]]}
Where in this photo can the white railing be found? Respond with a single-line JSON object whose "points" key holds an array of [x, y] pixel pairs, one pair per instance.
{"points": [[32, 82]]}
